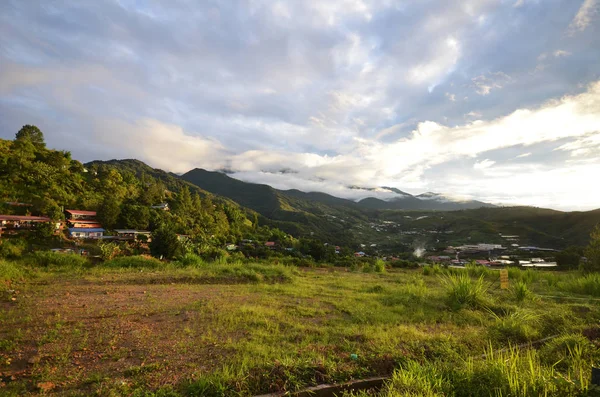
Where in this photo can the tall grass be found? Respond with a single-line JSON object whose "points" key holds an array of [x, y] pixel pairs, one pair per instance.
{"points": [[10, 271], [510, 372], [463, 291], [430, 270], [190, 259], [516, 327], [137, 262], [586, 285], [55, 259], [521, 291]]}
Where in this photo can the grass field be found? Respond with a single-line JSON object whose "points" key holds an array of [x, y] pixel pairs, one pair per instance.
{"points": [[139, 327]]}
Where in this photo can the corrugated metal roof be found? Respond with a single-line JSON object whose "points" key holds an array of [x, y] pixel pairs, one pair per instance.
{"points": [[81, 212], [24, 218], [86, 229]]}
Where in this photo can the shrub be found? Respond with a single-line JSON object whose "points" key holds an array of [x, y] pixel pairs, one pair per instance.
{"points": [[415, 379], [515, 327], [521, 291], [12, 248], [48, 258], [379, 266], [190, 259], [9, 271], [134, 262], [464, 291]]}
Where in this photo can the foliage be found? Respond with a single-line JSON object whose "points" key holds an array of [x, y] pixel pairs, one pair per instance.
{"points": [[109, 250], [517, 326], [588, 284], [462, 291], [510, 372], [569, 258], [137, 262], [10, 271], [48, 258], [32, 134], [12, 248], [165, 243], [592, 252], [521, 291], [190, 259]]}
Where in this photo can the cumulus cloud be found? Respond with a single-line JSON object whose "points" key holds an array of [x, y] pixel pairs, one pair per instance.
{"points": [[309, 95]]}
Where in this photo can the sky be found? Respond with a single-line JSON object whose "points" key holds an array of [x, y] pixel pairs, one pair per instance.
{"points": [[495, 100]]}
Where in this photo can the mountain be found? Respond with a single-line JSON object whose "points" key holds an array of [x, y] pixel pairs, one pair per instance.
{"points": [[302, 214], [425, 201], [433, 219]]}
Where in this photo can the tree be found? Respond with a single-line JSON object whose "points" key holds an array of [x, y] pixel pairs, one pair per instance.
{"points": [[33, 134], [108, 213], [592, 252], [569, 258], [164, 243]]}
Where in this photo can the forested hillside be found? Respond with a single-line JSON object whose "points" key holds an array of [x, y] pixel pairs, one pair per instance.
{"points": [[49, 181]]}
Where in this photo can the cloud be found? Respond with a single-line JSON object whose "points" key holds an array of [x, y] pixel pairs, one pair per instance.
{"points": [[480, 165], [524, 155], [484, 84], [586, 14], [348, 92]]}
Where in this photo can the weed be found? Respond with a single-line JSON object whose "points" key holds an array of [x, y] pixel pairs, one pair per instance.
{"points": [[521, 291], [134, 262], [430, 270], [463, 291], [585, 285], [190, 259], [516, 327], [10, 271], [48, 259]]}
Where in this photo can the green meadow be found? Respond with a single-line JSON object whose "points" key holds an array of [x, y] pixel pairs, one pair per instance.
{"points": [[136, 326]]}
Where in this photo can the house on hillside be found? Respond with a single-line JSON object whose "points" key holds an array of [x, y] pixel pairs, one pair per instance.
{"points": [[161, 206], [80, 215], [270, 244], [132, 234], [82, 232], [16, 223], [82, 219]]}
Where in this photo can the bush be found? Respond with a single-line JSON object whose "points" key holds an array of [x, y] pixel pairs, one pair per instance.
{"points": [[463, 291], [12, 248], [9, 271], [134, 262], [49, 258], [516, 327], [379, 266], [521, 291], [561, 352], [191, 260]]}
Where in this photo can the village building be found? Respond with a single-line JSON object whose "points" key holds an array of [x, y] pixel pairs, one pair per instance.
{"points": [[132, 234], [15, 223], [161, 206], [83, 233], [82, 219]]}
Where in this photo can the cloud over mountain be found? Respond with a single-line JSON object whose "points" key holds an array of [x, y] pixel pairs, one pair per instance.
{"points": [[457, 97]]}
